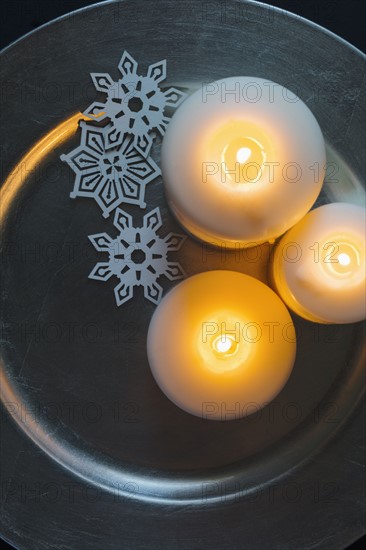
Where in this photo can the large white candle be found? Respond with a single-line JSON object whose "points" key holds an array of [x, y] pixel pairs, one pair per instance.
{"points": [[319, 265], [243, 160], [221, 345]]}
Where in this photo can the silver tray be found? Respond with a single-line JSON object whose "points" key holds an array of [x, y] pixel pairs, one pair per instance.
{"points": [[95, 455]]}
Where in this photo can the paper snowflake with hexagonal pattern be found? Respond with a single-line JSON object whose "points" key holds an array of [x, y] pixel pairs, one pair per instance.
{"points": [[135, 104], [109, 176], [138, 256]]}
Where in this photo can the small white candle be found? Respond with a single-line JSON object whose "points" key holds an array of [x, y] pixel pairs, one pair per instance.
{"points": [[243, 160], [319, 265], [221, 345]]}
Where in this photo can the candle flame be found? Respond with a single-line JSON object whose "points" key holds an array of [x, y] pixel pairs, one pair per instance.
{"points": [[344, 259], [243, 154], [225, 345]]}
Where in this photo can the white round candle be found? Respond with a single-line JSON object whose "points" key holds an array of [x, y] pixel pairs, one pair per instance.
{"points": [[243, 160], [221, 345], [319, 265]]}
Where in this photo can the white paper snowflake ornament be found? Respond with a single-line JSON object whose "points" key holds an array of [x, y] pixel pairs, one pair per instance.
{"points": [[138, 256], [109, 176], [135, 104]]}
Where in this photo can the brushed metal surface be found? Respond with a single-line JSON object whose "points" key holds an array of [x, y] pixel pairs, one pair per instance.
{"points": [[123, 467]]}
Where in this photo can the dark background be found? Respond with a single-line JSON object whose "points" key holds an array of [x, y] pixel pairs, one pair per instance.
{"points": [[345, 18]]}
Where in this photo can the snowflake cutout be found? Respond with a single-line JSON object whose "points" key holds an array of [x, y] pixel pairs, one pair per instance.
{"points": [[135, 104], [137, 257], [109, 176]]}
